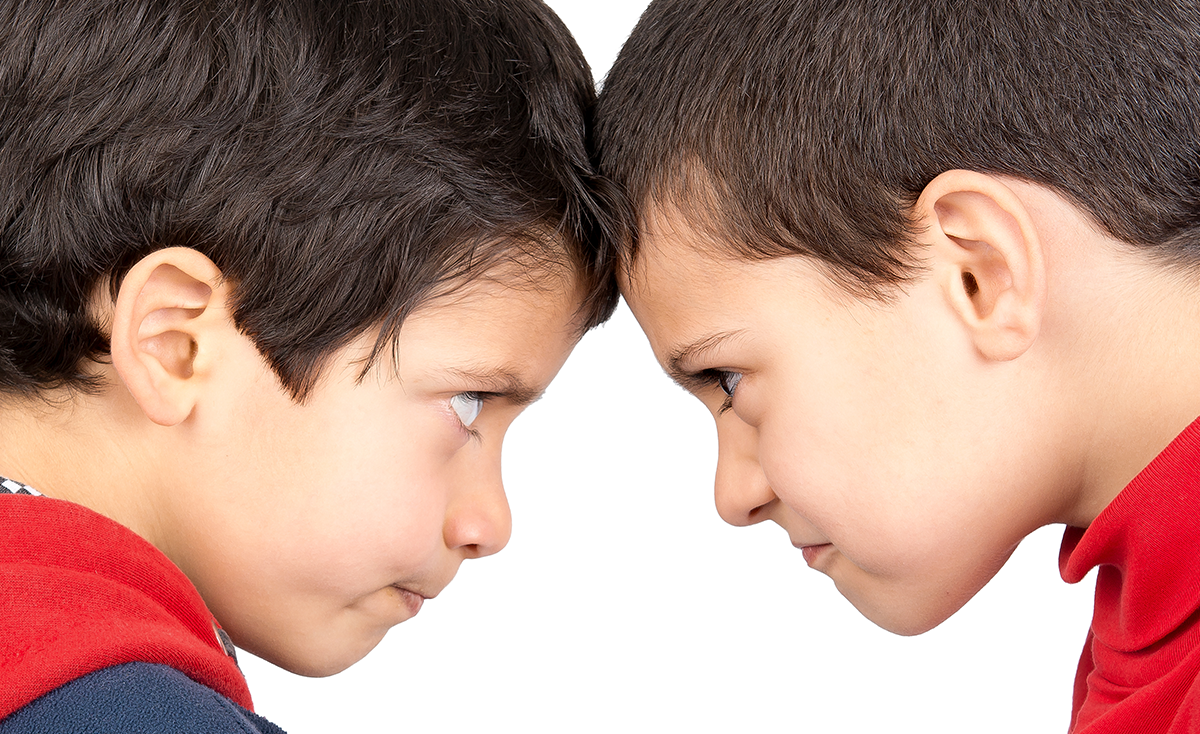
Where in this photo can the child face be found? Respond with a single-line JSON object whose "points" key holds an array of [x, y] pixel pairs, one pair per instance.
{"points": [[310, 529], [873, 433]]}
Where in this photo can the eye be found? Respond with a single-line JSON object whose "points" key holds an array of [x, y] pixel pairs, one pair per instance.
{"points": [[728, 381], [466, 406]]}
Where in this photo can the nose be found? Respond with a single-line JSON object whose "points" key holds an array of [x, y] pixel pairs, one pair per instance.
{"points": [[478, 520], [743, 495]]}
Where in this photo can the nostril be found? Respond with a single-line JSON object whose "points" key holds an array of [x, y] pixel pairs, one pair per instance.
{"points": [[741, 490], [744, 500], [760, 513], [478, 529]]}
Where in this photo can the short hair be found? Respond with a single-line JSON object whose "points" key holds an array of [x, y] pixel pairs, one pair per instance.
{"points": [[341, 162], [811, 126]]}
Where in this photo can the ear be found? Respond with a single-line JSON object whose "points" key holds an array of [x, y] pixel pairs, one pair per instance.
{"points": [[986, 252], [170, 309]]}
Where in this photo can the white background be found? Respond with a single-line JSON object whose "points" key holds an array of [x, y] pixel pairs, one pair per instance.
{"points": [[623, 603]]}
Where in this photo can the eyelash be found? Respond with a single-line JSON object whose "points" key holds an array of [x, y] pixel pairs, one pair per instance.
{"points": [[483, 398], [714, 377]]}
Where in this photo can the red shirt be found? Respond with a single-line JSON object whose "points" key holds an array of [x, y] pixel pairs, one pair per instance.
{"points": [[1140, 670], [79, 593]]}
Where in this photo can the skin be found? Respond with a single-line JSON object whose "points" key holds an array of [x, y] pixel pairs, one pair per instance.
{"points": [[908, 444], [309, 529]]}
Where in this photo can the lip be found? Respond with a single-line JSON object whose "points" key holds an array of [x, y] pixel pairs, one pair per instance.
{"points": [[411, 600], [814, 552]]}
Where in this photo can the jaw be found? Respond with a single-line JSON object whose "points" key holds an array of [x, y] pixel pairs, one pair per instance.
{"points": [[907, 606]]}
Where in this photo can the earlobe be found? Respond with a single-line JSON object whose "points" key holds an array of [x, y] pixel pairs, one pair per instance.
{"points": [[986, 251], [169, 308]]}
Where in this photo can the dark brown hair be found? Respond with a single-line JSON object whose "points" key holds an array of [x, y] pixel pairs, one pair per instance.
{"points": [[811, 126], [341, 162]]}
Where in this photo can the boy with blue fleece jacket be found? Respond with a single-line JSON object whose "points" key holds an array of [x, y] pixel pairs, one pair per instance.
{"points": [[274, 280]]}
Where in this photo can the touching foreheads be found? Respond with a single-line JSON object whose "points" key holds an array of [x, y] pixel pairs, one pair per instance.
{"points": [[341, 163], [810, 127]]}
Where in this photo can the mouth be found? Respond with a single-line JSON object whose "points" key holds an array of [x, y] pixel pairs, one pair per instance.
{"points": [[410, 599], [812, 553]]}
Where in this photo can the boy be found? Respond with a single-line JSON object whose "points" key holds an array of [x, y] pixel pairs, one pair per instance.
{"points": [[932, 268], [274, 279]]}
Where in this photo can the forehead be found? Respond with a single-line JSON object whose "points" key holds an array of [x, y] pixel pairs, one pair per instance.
{"points": [[523, 317], [524, 286], [682, 282], [673, 257]]}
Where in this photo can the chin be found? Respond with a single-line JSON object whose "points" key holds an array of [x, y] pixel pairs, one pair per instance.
{"points": [[903, 617], [311, 658], [317, 668], [907, 627]]}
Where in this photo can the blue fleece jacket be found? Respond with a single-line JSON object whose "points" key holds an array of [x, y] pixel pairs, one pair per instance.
{"points": [[135, 698]]}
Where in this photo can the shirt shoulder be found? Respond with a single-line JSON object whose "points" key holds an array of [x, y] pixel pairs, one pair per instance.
{"points": [[134, 698]]}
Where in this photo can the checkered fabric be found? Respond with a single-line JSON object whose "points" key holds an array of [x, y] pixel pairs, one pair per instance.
{"points": [[9, 486]]}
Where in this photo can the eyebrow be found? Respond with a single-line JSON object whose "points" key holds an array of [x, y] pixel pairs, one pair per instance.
{"points": [[502, 383], [678, 360]]}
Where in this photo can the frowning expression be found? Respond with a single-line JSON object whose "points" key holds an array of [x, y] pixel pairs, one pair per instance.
{"points": [[310, 529], [872, 431]]}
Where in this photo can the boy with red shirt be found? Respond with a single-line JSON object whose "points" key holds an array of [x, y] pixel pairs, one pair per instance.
{"points": [[932, 266], [274, 280]]}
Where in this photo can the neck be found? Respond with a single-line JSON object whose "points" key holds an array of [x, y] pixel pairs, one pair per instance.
{"points": [[1132, 370], [84, 449]]}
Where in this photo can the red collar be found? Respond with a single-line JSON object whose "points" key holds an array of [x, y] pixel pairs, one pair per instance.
{"points": [[79, 593], [1144, 647], [1147, 543]]}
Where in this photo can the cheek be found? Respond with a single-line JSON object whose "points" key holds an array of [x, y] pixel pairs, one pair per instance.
{"points": [[887, 516], [328, 543], [380, 515], [331, 498], [908, 555], [824, 478]]}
